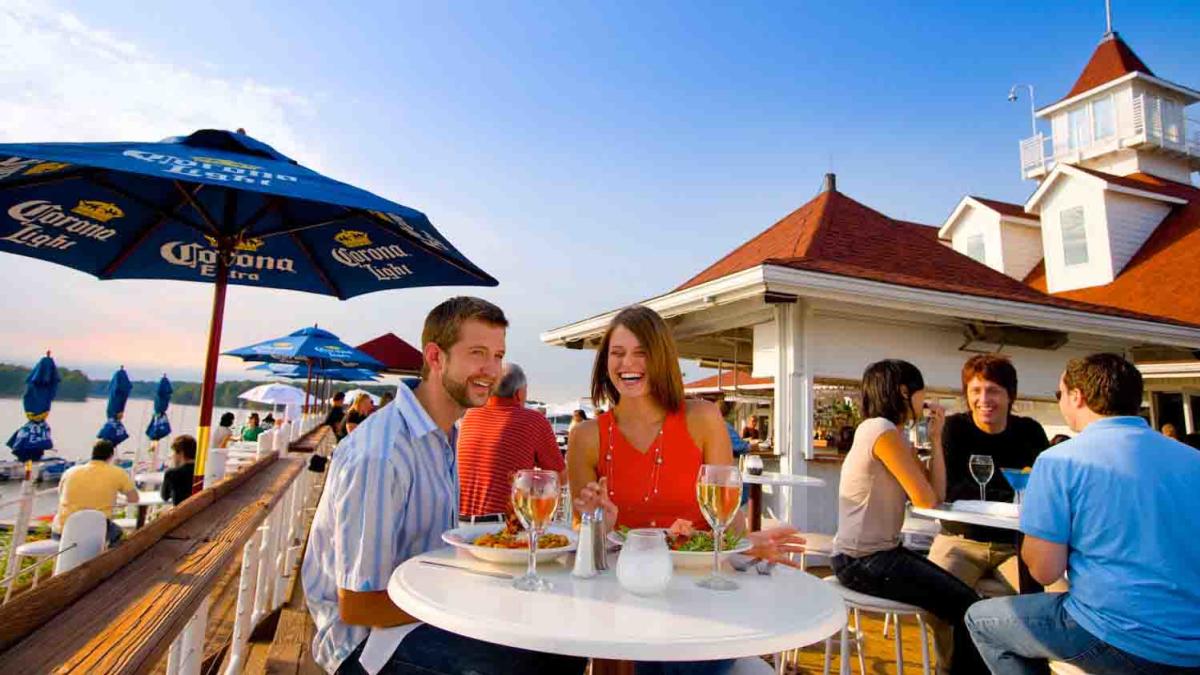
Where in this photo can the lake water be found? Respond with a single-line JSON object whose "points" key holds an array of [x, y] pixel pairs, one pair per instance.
{"points": [[73, 426]]}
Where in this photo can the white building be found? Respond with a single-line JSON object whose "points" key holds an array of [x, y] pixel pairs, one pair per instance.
{"points": [[1103, 256]]}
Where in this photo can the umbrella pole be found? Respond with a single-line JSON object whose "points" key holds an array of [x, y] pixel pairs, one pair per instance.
{"points": [[307, 387], [208, 388]]}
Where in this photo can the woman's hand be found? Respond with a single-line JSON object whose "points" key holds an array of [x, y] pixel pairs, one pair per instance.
{"points": [[937, 419], [776, 544], [593, 496]]}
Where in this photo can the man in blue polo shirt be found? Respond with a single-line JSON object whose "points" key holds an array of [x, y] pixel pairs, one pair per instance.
{"points": [[1115, 509]]}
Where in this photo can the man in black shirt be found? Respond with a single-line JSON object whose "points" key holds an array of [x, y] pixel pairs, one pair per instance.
{"points": [[971, 552], [177, 481], [333, 419]]}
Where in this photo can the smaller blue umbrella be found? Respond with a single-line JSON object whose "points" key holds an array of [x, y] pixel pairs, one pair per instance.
{"points": [[160, 426], [308, 345], [33, 438], [118, 394]]}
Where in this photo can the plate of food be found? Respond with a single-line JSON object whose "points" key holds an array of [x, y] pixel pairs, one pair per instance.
{"points": [[691, 548], [509, 545]]}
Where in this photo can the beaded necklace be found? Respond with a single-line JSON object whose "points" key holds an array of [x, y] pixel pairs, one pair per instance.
{"points": [[655, 468]]}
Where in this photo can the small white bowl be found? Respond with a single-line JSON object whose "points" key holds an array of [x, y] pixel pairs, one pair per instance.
{"points": [[692, 560], [461, 537]]}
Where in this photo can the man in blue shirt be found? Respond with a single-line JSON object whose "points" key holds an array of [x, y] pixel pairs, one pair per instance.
{"points": [[1115, 509], [391, 491]]}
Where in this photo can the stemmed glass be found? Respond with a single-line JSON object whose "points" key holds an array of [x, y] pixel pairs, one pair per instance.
{"points": [[982, 469], [534, 499], [719, 491]]}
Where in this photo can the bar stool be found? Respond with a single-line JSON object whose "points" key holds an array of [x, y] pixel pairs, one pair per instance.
{"points": [[861, 602]]}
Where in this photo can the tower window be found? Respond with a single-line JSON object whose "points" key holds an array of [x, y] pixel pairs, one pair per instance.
{"points": [[1104, 123], [1077, 133], [1074, 236], [975, 248]]}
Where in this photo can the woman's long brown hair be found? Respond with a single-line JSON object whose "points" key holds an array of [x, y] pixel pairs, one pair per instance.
{"points": [[662, 359]]}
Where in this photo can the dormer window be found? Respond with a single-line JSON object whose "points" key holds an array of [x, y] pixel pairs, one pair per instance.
{"points": [[1077, 128], [975, 248], [1074, 236]]}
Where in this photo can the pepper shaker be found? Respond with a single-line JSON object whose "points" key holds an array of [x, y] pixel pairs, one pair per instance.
{"points": [[599, 540]]}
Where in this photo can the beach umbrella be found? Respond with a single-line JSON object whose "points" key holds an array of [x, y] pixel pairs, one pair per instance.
{"points": [[160, 424], [218, 207], [119, 387], [398, 357], [29, 442], [294, 371], [353, 394], [273, 394]]}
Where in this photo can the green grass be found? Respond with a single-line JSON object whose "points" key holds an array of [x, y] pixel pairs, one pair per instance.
{"points": [[44, 570]]}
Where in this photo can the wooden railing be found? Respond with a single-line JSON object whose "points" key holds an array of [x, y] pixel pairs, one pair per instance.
{"points": [[126, 609]]}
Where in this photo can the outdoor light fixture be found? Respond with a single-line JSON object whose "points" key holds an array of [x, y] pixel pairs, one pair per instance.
{"points": [[1012, 98]]}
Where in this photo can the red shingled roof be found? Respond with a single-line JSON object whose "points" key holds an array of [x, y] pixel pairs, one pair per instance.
{"points": [[727, 380], [1161, 279], [1112, 59], [1006, 209], [834, 234], [396, 355]]}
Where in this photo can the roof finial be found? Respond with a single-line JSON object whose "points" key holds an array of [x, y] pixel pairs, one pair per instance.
{"points": [[1108, 18]]}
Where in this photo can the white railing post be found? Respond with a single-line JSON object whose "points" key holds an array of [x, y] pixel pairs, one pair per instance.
{"points": [[19, 532], [242, 627], [187, 651], [283, 547], [264, 585]]}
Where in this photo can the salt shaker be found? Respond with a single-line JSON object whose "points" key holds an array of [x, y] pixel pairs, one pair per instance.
{"points": [[599, 540], [585, 563]]}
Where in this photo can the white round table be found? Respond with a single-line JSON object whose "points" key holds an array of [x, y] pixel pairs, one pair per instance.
{"points": [[1025, 581], [596, 618], [756, 481]]}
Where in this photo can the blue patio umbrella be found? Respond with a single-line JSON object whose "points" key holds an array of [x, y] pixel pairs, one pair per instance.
{"points": [[219, 207], [160, 425], [30, 441], [292, 371], [118, 394]]}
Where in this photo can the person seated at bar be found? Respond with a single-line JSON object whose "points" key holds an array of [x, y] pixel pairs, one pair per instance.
{"points": [[750, 432], [177, 481], [252, 430], [224, 432], [1114, 508], [390, 492], [495, 441], [639, 460], [94, 485], [268, 422], [362, 406], [972, 552], [880, 474], [1170, 431]]}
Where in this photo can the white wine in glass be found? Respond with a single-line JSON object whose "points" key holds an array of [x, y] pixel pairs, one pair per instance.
{"points": [[982, 467], [719, 492], [534, 499]]}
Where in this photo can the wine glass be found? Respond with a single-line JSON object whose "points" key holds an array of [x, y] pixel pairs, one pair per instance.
{"points": [[982, 469], [719, 491], [534, 499]]}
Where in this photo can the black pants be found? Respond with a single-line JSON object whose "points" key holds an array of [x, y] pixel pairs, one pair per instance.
{"points": [[904, 576], [428, 650]]}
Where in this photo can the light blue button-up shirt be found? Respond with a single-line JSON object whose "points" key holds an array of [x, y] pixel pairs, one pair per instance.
{"points": [[391, 491], [1123, 498]]}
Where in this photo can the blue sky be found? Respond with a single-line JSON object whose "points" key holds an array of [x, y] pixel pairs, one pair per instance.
{"points": [[586, 154]]}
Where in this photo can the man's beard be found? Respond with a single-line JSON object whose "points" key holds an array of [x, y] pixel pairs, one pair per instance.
{"points": [[457, 389]]}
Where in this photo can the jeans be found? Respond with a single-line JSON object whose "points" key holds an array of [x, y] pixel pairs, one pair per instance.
{"points": [[683, 667], [432, 651], [904, 576], [1020, 634], [112, 533]]}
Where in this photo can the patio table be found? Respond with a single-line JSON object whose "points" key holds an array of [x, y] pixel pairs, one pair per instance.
{"points": [[146, 499], [756, 483], [596, 618], [1025, 581]]}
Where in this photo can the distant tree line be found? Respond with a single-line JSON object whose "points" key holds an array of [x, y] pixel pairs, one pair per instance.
{"points": [[76, 386]]}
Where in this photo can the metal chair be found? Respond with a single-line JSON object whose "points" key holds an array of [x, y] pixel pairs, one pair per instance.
{"points": [[856, 603]]}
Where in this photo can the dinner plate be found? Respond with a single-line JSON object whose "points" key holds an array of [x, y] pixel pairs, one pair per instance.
{"points": [[462, 537], [691, 559]]}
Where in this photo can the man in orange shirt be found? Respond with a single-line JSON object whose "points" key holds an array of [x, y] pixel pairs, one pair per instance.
{"points": [[496, 440]]}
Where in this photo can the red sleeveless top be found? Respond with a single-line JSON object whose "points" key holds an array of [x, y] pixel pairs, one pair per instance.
{"points": [[649, 492]]}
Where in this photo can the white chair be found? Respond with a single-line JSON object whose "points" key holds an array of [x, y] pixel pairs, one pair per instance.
{"points": [[751, 665], [84, 536], [266, 442], [283, 438], [38, 550], [857, 603]]}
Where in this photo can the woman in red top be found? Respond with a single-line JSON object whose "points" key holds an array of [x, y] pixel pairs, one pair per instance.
{"points": [[640, 459]]}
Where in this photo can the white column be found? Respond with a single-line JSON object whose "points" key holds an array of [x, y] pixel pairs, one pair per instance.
{"points": [[245, 605], [1189, 422], [793, 403]]}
